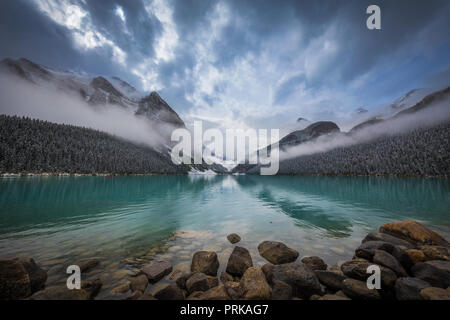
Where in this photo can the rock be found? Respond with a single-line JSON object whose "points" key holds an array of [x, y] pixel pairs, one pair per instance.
{"points": [[92, 287], [255, 285], [170, 292], [147, 297], [416, 255], [301, 278], [87, 264], [367, 249], [196, 295], [330, 279], [61, 293], [216, 293], [377, 236], [138, 283], [226, 277], [402, 256], [124, 287], [239, 261], [429, 273], [315, 263], [334, 297], [181, 281], [281, 291], [315, 297], [385, 259], [433, 293], [233, 238], [156, 270], [267, 269], [413, 232], [435, 252], [134, 296], [358, 270], [205, 262], [200, 282], [440, 264], [341, 293], [234, 290], [277, 252], [356, 289], [20, 277], [409, 288]]}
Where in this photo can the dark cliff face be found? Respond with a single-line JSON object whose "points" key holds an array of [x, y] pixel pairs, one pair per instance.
{"points": [[154, 107], [104, 92], [313, 131], [428, 101], [25, 69]]}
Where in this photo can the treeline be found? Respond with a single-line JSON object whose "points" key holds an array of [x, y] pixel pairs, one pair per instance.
{"points": [[422, 152], [29, 145]]}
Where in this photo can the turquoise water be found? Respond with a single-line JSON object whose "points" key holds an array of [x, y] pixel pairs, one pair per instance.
{"points": [[127, 221]]}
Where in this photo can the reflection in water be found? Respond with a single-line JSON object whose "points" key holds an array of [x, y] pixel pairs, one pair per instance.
{"points": [[61, 220]]}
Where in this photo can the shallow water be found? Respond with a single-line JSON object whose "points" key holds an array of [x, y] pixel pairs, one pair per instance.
{"points": [[127, 221]]}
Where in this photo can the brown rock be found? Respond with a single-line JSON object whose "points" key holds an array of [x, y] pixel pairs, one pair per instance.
{"points": [[156, 270], [413, 232], [436, 252], [170, 292], [61, 293], [277, 252], [356, 289], [92, 287], [281, 291], [87, 264], [216, 293], [124, 287], [315, 263], [196, 295], [234, 290], [205, 262], [440, 264], [385, 259], [377, 236], [226, 277], [330, 279], [233, 238], [138, 283], [334, 297], [239, 261], [416, 255], [200, 282], [433, 293], [255, 285], [147, 297], [429, 273]]}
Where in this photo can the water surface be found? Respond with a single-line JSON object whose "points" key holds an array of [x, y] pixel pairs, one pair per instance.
{"points": [[127, 221]]}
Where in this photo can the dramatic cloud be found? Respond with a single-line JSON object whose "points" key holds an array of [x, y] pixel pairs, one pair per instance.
{"points": [[240, 63]]}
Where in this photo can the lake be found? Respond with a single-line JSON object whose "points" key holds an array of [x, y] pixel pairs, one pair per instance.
{"points": [[128, 221]]}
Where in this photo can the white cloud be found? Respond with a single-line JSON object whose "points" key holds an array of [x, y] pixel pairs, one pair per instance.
{"points": [[77, 20], [119, 12]]}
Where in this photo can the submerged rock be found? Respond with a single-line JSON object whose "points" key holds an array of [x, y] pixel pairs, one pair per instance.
{"points": [[233, 238], [315, 263], [138, 283], [87, 264], [409, 288], [277, 252], [205, 262], [156, 270], [255, 285], [413, 232], [239, 261], [20, 277]]}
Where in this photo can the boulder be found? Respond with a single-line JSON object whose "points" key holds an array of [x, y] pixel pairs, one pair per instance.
{"points": [[195, 295], [436, 252], [433, 293], [267, 269], [92, 287], [234, 290], [387, 260], [147, 297], [358, 270], [429, 273], [233, 238], [205, 262], [200, 282], [356, 289], [20, 277], [301, 278], [315, 263], [367, 249], [226, 277], [181, 281], [254, 284], [378, 236], [277, 252], [330, 279], [416, 255], [61, 293], [134, 295], [138, 283], [87, 264], [156, 270], [409, 288], [333, 297], [440, 264], [239, 261], [402, 256], [170, 292], [413, 232], [122, 288], [281, 291], [216, 293]]}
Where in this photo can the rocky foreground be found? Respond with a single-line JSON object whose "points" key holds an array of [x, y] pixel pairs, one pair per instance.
{"points": [[414, 263]]}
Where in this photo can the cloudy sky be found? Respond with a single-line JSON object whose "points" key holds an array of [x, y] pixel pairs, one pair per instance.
{"points": [[240, 63]]}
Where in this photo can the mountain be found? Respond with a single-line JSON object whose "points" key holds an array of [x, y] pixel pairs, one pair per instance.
{"points": [[312, 131], [95, 90]]}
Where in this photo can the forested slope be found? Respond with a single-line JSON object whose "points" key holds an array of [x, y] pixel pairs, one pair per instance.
{"points": [[28, 145]]}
